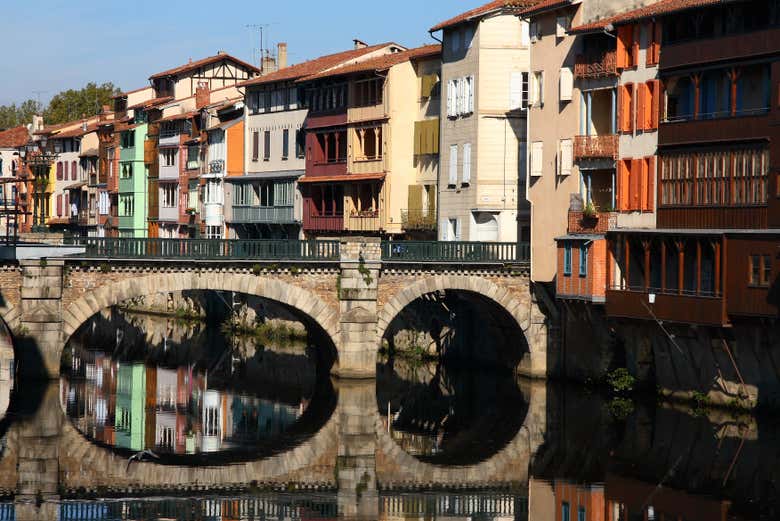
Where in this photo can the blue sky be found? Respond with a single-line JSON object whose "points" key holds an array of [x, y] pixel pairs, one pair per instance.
{"points": [[52, 45]]}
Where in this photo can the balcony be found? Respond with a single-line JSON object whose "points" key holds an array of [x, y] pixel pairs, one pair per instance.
{"points": [[368, 113], [598, 66], [169, 138], [323, 223], [216, 166], [419, 219], [668, 307], [327, 168], [169, 214], [257, 214], [602, 222], [596, 147], [367, 166], [367, 221]]}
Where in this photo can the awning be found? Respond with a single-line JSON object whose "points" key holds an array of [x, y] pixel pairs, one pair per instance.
{"points": [[76, 186], [346, 178], [279, 174]]}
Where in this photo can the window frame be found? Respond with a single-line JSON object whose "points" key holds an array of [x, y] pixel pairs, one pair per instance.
{"points": [[567, 258]]}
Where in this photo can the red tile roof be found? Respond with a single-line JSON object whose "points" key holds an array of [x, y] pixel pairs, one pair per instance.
{"points": [[380, 63], [76, 132], [124, 94], [343, 178], [315, 66], [544, 5], [14, 137], [185, 115], [659, 8], [151, 103], [205, 61], [496, 5]]}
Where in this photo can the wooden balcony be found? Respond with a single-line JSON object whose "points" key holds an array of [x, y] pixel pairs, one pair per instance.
{"points": [[257, 214], [368, 221], [367, 166], [599, 66], [596, 147], [323, 223], [369, 113], [419, 219], [668, 307], [602, 222]]}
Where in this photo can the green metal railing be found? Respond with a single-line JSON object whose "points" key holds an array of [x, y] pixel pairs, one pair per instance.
{"points": [[295, 250], [456, 252], [211, 249]]}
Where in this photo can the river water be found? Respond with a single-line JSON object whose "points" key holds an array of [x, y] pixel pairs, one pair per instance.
{"points": [[158, 418]]}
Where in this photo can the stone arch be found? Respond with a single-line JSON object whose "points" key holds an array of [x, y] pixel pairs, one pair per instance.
{"points": [[301, 300]]}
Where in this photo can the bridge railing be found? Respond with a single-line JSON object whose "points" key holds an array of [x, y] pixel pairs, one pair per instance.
{"points": [[456, 252], [268, 250]]}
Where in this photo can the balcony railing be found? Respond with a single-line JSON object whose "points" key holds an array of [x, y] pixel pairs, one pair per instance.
{"points": [[257, 214], [460, 252], [217, 166], [364, 222], [323, 223], [596, 66], [270, 250], [419, 219], [596, 147]]}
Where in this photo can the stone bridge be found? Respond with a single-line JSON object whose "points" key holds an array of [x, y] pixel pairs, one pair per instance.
{"points": [[45, 459], [349, 300]]}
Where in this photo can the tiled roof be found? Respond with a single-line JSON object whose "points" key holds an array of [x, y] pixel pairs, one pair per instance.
{"points": [[76, 132], [496, 5], [660, 8], [200, 63], [343, 178], [185, 115], [315, 66], [380, 63], [544, 5], [124, 94], [151, 103], [14, 137]]}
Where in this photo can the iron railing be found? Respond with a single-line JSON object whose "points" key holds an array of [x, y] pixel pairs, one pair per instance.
{"points": [[211, 249], [456, 252]]}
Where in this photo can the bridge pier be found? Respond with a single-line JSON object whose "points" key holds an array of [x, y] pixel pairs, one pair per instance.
{"points": [[361, 264]]}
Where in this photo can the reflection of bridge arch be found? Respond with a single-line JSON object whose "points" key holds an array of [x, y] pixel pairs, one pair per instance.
{"points": [[398, 469], [312, 308]]}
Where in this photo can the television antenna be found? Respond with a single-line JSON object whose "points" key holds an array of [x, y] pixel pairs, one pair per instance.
{"points": [[37, 94], [262, 29]]}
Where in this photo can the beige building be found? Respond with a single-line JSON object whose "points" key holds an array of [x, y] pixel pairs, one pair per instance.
{"points": [[485, 74]]}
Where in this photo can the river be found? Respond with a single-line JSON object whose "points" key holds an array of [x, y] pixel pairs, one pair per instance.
{"points": [[162, 418]]}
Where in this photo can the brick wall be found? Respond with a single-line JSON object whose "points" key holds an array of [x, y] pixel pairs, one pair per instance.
{"points": [[578, 223], [593, 285]]}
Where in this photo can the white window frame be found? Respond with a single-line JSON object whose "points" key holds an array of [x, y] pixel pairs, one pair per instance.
{"points": [[453, 171], [537, 159], [565, 157], [566, 84]]}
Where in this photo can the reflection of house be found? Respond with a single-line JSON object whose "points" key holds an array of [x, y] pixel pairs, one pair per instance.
{"points": [[130, 406]]}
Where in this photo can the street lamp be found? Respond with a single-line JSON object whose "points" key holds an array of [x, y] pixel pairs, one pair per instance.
{"points": [[39, 158]]}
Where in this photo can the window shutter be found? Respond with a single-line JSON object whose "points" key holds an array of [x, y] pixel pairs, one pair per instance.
{"points": [[537, 156], [415, 198], [541, 88], [458, 230], [635, 35], [643, 184], [566, 158], [267, 145], [65, 170], [450, 89], [641, 103], [624, 40], [635, 182], [655, 104], [650, 204], [625, 107], [566, 84], [59, 205], [255, 145], [444, 226], [466, 164], [453, 165], [656, 47], [525, 34], [74, 167], [472, 87], [285, 143], [516, 91], [623, 185], [59, 170], [419, 127]]}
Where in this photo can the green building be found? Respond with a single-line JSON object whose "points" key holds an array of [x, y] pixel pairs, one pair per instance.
{"points": [[133, 178], [130, 417]]}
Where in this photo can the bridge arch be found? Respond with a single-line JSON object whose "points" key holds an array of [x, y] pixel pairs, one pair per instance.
{"points": [[309, 305]]}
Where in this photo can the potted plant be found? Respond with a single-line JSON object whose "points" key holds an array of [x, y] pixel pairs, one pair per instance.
{"points": [[191, 211], [590, 211]]}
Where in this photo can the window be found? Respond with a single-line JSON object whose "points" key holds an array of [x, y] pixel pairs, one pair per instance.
{"points": [[127, 139], [59, 170], [126, 205], [213, 232], [566, 84], [193, 157], [537, 155], [300, 143], [455, 40], [562, 25], [255, 145], [285, 143], [74, 167], [760, 271], [169, 156], [565, 155], [525, 34], [367, 93], [534, 32], [213, 193], [538, 88], [267, 145], [104, 203], [169, 195], [126, 170], [468, 36], [583, 260], [460, 97], [518, 91], [581, 514], [566, 260], [453, 179], [466, 179]]}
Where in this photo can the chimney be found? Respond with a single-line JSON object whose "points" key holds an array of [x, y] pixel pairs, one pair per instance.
{"points": [[359, 44], [281, 55], [268, 64], [202, 95]]}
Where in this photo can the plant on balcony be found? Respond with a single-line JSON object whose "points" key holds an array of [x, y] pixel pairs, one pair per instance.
{"points": [[590, 211], [191, 211]]}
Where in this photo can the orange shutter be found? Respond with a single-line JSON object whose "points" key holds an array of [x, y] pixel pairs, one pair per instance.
{"points": [[650, 203], [641, 103], [635, 36], [655, 103], [623, 185], [624, 37], [626, 119], [635, 185], [657, 42], [643, 167]]}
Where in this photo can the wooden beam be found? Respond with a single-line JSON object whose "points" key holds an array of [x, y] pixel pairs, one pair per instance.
{"points": [[717, 267], [663, 265], [627, 275], [646, 245], [698, 266], [681, 266]]}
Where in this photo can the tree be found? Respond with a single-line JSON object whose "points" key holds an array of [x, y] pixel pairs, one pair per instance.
{"points": [[73, 104], [13, 116]]}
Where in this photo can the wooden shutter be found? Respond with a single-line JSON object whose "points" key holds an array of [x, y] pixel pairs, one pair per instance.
{"points": [[655, 103], [624, 41], [415, 198], [625, 116], [566, 84], [59, 170], [643, 184], [635, 37], [537, 158], [59, 205], [623, 185], [435, 136], [65, 170], [419, 127], [267, 145], [650, 202], [635, 186], [74, 167], [654, 50], [641, 106], [453, 177], [255, 145], [516, 91], [466, 179], [566, 157]]}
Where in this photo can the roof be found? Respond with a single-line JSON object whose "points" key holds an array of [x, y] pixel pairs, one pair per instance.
{"points": [[659, 8], [192, 65], [581, 237], [479, 12], [544, 5], [315, 66], [124, 94], [76, 132], [185, 115], [344, 178], [14, 137], [380, 63], [151, 103]]}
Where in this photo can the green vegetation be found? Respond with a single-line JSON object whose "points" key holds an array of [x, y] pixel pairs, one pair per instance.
{"points": [[621, 381], [365, 272], [68, 105], [264, 333]]}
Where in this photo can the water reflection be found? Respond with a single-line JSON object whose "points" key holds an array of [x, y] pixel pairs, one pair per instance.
{"points": [[448, 415], [195, 392]]}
